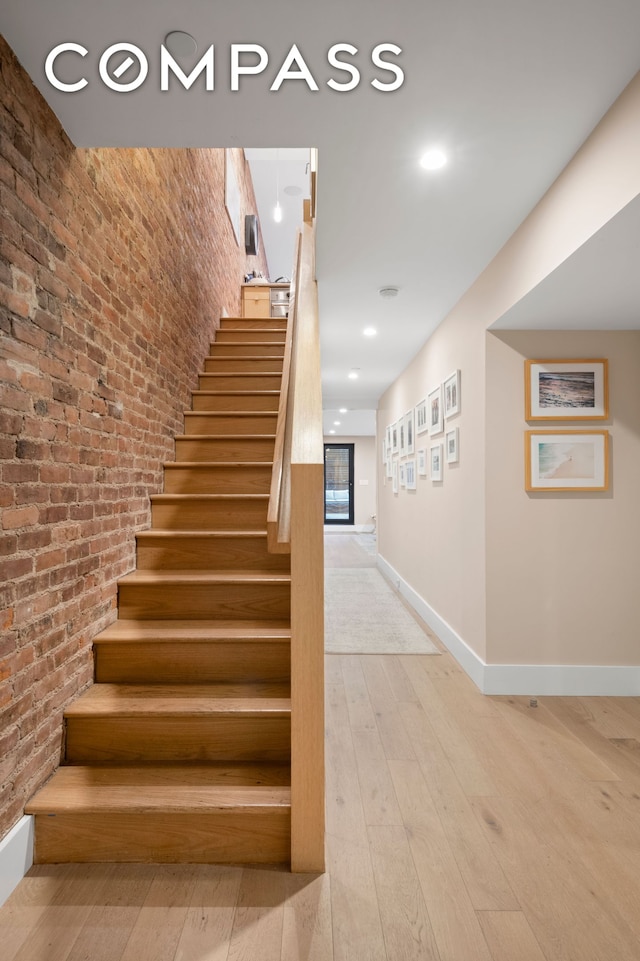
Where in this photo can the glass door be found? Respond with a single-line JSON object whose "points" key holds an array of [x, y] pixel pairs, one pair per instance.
{"points": [[338, 483]]}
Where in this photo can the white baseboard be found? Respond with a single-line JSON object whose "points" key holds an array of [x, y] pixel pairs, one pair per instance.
{"points": [[564, 680], [16, 856]]}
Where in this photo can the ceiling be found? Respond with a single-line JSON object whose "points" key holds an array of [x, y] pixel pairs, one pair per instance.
{"points": [[509, 88]]}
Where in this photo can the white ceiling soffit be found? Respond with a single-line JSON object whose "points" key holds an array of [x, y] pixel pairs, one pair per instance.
{"points": [[509, 88], [597, 288], [351, 423]]}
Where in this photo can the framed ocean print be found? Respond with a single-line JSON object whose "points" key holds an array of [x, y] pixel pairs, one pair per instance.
{"points": [[452, 445], [422, 420], [566, 389], [569, 460], [434, 405], [451, 392]]}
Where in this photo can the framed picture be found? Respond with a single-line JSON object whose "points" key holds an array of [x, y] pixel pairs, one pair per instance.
{"points": [[403, 480], [394, 475], [569, 460], [451, 391], [402, 435], [422, 462], [422, 421], [436, 462], [451, 442], [566, 389], [409, 431], [434, 404], [410, 474], [388, 438], [394, 438], [389, 465]]}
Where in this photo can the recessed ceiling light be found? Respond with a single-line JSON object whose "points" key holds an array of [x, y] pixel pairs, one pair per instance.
{"points": [[332, 431], [353, 375], [343, 410], [433, 159], [369, 332], [388, 291], [336, 423]]}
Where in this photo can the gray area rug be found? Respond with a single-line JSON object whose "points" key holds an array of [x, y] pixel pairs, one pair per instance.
{"points": [[364, 616]]}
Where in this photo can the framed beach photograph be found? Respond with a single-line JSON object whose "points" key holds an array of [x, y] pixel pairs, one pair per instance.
{"points": [[451, 391], [566, 389], [422, 419], [434, 406], [410, 474], [422, 462], [436, 462], [570, 460], [451, 445], [409, 431]]}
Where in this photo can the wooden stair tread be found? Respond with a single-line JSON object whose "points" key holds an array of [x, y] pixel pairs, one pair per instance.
{"points": [[208, 464], [205, 577], [203, 535], [225, 437], [180, 700], [172, 788], [236, 393], [230, 413], [207, 498], [189, 630]]}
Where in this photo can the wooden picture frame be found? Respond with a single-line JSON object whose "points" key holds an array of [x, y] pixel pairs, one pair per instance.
{"points": [[566, 389], [566, 460]]}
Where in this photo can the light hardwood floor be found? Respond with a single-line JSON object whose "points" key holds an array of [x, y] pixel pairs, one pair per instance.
{"points": [[460, 828]]}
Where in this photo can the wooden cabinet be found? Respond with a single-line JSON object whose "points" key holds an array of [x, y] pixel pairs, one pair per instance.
{"points": [[265, 300]]}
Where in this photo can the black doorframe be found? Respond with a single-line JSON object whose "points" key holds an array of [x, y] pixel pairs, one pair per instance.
{"points": [[328, 519]]}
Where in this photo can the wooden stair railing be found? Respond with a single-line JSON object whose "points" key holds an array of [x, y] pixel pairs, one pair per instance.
{"points": [[295, 524]]}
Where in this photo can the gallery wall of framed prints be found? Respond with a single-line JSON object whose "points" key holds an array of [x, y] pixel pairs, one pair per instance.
{"points": [[420, 442], [558, 458]]}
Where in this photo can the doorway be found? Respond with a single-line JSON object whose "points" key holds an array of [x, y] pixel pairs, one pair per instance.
{"points": [[338, 483]]}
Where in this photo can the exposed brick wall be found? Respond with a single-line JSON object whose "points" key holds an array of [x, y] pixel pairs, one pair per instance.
{"points": [[114, 268]]}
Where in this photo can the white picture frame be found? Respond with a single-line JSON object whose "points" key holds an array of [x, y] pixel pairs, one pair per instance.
{"points": [[422, 462], [452, 445], [435, 458], [402, 437], [451, 394], [403, 474], [409, 432], [434, 408], [394, 438], [394, 475], [421, 416], [410, 474]]}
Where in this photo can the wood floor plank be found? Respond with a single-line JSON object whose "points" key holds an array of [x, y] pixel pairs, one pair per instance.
{"points": [[209, 919], [110, 923], [257, 926], [376, 787], [485, 881], [56, 929], [41, 889], [509, 936], [306, 931], [393, 734], [567, 907], [355, 912], [159, 925], [398, 679], [406, 924], [455, 925], [361, 716]]}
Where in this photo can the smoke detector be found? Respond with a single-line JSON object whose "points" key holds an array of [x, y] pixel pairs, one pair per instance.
{"points": [[388, 292]]}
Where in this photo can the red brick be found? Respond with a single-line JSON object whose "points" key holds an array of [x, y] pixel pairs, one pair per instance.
{"points": [[20, 517]]}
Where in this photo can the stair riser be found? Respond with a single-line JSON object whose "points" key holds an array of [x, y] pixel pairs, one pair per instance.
{"points": [[247, 347], [235, 401], [253, 323], [166, 738], [252, 364], [240, 381], [225, 449], [242, 515], [198, 553], [210, 423], [218, 480], [179, 662], [251, 336], [269, 601], [224, 837]]}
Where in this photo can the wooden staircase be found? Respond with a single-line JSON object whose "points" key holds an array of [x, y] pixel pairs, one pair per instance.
{"points": [[181, 749]]}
